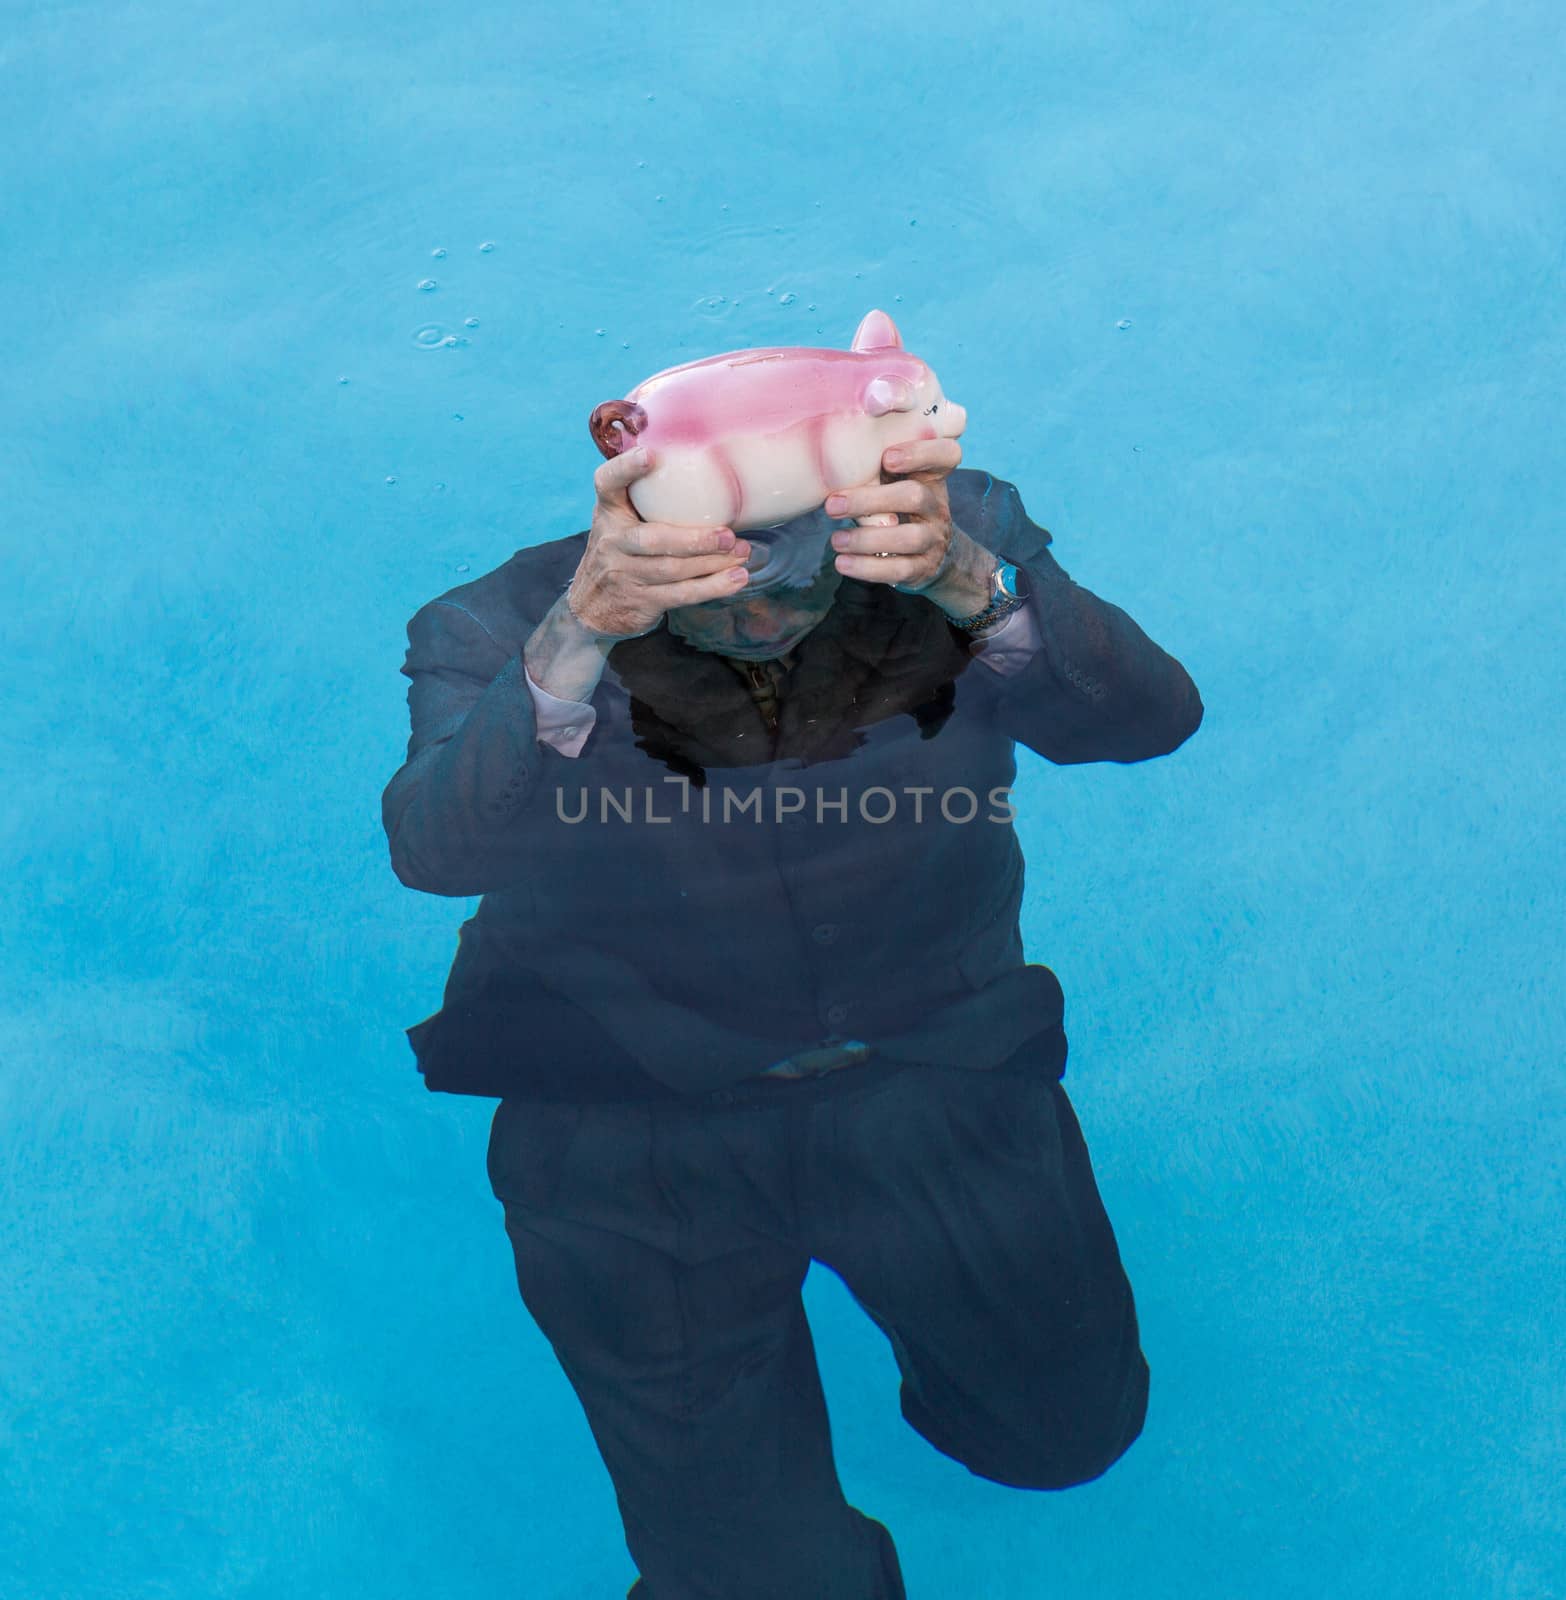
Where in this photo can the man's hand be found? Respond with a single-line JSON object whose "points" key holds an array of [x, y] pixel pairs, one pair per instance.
{"points": [[632, 572], [924, 553]]}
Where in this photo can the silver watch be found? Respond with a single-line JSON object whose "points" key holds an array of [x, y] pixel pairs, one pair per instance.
{"points": [[1008, 593]]}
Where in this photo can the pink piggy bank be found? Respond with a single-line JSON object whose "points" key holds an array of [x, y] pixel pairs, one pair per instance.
{"points": [[757, 437]]}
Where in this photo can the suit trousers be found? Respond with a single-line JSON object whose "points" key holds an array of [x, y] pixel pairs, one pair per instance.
{"points": [[661, 1247]]}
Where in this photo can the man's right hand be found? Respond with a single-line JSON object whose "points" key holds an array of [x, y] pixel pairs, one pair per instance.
{"points": [[632, 572]]}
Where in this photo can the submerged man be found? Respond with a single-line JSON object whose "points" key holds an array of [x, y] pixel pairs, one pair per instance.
{"points": [[748, 978]]}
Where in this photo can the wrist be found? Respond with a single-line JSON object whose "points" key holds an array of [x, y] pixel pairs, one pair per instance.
{"points": [[563, 656], [963, 586], [576, 623]]}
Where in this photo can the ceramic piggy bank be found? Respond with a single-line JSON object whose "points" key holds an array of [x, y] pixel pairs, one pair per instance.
{"points": [[757, 437]]}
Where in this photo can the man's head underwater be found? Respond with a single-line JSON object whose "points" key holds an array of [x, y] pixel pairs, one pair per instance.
{"points": [[793, 581]]}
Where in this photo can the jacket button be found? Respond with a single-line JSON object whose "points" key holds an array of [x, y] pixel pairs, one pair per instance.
{"points": [[824, 932], [836, 1014]]}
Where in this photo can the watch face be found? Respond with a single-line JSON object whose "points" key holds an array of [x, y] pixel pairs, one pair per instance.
{"points": [[1008, 581]]}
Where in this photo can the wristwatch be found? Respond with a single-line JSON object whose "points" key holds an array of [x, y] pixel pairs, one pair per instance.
{"points": [[1008, 593]]}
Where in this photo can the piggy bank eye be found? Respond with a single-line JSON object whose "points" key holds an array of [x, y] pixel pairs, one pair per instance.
{"points": [[933, 409]]}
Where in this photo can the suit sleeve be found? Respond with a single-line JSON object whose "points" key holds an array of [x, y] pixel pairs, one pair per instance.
{"points": [[1097, 688], [474, 758]]}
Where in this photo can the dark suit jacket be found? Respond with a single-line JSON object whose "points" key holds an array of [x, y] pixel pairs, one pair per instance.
{"points": [[692, 898]]}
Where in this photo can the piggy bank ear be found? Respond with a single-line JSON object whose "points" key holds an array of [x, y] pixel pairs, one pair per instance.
{"points": [[877, 332], [888, 394]]}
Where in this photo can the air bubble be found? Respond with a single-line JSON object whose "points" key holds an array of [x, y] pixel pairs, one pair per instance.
{"points": [[462, 566], [658, 198], [470, 322], [451, 341], [440, 488], [391, 480], [342, 380], [426, 284], [896, 297], [438, 253], [456, 416], [431, 336], [486, 247], [1124, 323], [787, 298], [599, 332]]}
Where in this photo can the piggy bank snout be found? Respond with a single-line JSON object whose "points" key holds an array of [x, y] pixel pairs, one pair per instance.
{"points": [[954, 418]]}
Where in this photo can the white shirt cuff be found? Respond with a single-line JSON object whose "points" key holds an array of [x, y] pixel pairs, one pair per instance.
{"points": [[562, 724], [1010, 644]]}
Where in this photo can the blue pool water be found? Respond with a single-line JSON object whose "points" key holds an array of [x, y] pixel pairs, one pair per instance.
{"points": [[1260, 308]]}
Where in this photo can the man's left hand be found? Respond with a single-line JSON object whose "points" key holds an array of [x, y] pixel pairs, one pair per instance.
{"points": [[924, 553]]}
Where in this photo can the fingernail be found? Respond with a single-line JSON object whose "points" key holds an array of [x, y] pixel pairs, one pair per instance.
{"points": [[725, 538], [738, 576], [836, 503], [894, 458]]}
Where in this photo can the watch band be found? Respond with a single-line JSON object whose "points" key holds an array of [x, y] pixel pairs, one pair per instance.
{"points": [[1006, 596]]}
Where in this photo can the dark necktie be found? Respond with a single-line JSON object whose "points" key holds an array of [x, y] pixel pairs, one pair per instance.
{"points": [[764, 679]]}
